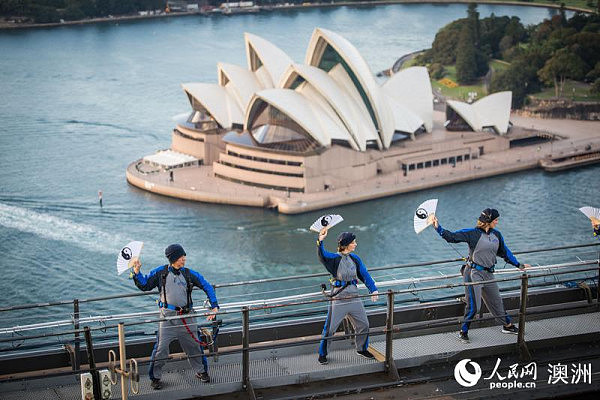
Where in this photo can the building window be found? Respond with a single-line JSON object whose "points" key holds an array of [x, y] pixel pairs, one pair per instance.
{"points": [[411, 167], [420, 165], [444, 161], [459, 159], [467, 157], [427, 164], [436, 163]]}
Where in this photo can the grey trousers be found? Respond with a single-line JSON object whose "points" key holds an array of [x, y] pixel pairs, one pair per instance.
{"points": [[175, 330], [338, 309], [489, 292]]}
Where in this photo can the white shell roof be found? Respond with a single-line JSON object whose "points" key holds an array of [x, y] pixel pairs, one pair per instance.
{"points": [[272, 57], [354, 118], [360, 68], [411, 87], [404, 119], [316, 100], [492, 110], [328, 105], [219, 101], [243, 82], [309, 115]]}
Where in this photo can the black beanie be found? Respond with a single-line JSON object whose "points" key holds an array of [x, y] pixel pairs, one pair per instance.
{"points": [[346, 238], [174, 252], [488, 215]]}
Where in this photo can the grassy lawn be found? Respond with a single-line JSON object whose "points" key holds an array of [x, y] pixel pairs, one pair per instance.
{"points": [[498, 65], [573, 90], [460, 92]]}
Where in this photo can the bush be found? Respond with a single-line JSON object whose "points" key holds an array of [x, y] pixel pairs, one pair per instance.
{"points": [[595, 88], [436, 71]]}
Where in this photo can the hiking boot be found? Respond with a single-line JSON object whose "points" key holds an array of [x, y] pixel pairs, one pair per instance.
{"points": [[365, 354], [323, 360], [463, 336], [510, 329], [155, 384], [203, 376]]}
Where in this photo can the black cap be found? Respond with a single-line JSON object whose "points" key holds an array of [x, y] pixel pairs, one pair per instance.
{"points": [[488, 215], [174, 252], [346, 238]]}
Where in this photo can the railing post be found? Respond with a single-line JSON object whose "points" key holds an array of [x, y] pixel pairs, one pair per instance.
{"points": [[598, 283], [122, 360], [523, 350], [76, 357], [390, 364], [92, 363], [246, 384]]}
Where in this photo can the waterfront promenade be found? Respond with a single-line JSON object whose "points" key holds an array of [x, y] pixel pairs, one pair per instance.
{"points": [[199, 183], [285, 6]]}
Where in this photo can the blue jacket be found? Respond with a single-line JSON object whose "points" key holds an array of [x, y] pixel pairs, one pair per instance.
{"points": [[472, 235], [331, 261], [152, 280]]}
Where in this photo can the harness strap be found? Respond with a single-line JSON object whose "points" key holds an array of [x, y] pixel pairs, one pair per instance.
{"points": [[338, 283], [189, 288], [181, 310], [481, 267]]}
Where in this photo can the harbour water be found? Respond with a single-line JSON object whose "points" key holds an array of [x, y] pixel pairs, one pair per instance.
{"points": [[78, 103]]}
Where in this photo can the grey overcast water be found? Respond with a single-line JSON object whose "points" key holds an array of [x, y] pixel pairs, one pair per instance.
{"points": [[78, 103]]}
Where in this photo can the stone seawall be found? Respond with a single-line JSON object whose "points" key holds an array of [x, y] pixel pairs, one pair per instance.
{"points": [[562, 109]]}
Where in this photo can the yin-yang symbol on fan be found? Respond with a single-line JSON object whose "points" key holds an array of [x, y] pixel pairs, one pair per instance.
{"points": [[421, 213], [126, 253]]}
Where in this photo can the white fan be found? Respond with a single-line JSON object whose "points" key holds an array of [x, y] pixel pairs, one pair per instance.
{"points": [[326, 221], [420, 219], [592, 213], [127, 255]]}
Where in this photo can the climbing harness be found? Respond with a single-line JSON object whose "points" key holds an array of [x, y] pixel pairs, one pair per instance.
{"points": [[336, 283]]}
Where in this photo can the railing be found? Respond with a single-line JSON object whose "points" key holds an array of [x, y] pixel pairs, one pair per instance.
{"points": [[288, 302]]}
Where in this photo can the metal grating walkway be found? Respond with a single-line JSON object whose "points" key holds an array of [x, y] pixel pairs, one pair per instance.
{"points": [[298, 364]]}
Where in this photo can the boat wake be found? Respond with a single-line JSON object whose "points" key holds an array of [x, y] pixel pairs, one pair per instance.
{"points": [[56, 228]]}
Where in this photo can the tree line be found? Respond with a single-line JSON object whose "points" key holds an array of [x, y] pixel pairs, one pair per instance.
{"points": [[46, 11], [540, 55], [52, 11]]}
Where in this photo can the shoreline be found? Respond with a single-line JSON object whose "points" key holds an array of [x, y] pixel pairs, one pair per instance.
{"points": [[11, 26]]}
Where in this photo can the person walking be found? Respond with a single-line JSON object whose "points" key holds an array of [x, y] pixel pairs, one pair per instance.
{"points": [[346, 268], [485, 243], [175, 284]]}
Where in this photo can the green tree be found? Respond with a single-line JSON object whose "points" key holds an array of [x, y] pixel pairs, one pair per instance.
{"points": [[595, 88], [466, 58], [473, 19], [562, 65]]}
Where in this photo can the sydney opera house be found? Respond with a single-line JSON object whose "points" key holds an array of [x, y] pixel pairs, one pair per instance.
{"points": [[277, 132]]}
